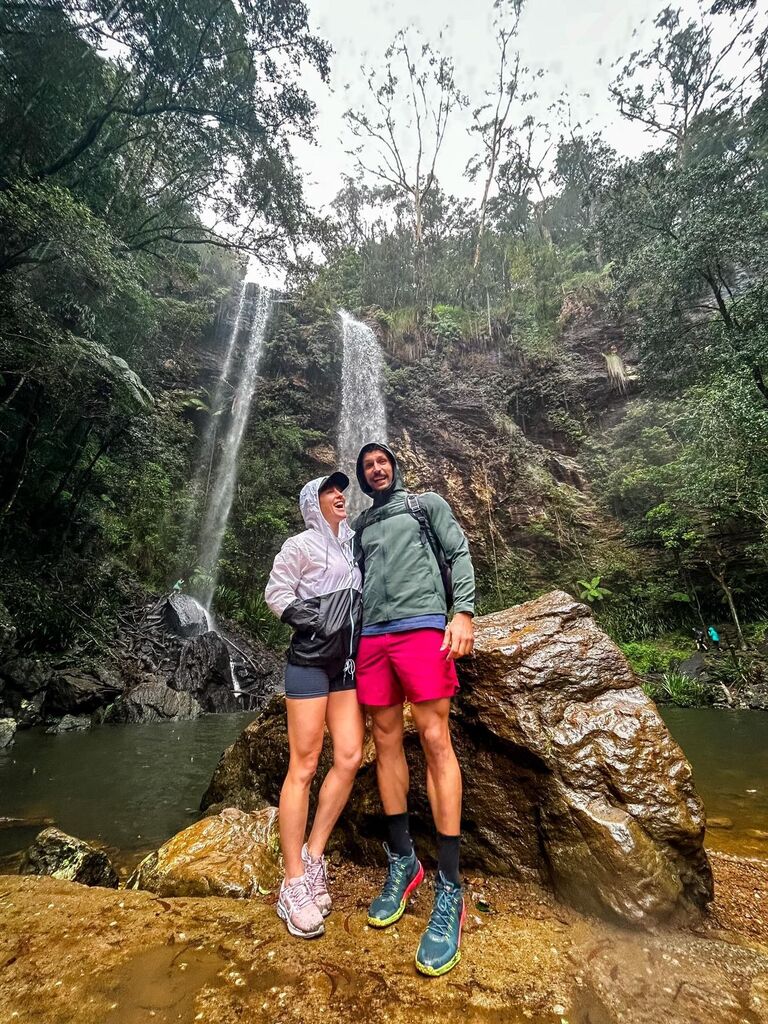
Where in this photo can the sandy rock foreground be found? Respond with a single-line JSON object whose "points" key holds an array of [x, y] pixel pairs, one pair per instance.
{"points": [[73, 955]]}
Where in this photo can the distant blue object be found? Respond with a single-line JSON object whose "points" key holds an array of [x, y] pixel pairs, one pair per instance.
{"points": [[714, 636]]}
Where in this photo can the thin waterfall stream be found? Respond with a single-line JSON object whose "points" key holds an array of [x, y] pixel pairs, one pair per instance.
{"points": [[221, 494], [363, 413]]}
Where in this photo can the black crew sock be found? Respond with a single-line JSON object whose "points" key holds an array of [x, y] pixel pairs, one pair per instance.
{"points": [[400, 841], [448, 857]]}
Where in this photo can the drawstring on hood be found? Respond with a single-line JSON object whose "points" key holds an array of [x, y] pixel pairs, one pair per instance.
{"points": [[397, 478]]}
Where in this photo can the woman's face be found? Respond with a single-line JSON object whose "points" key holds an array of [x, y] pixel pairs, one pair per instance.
{"points": [[333, 505]]}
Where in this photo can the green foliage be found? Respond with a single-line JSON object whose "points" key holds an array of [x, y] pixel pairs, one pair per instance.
{"points": [[591, 590], [655, 656], [681, 690]]}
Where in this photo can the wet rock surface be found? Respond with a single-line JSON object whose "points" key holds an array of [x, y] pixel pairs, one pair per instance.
{"points": [[152, 701], [70, 723], [7, 732], [62, 856], [233, 854], [570, 775], [185, 616], [127, 683], [205, 672], [525, 958], [73, 692]]}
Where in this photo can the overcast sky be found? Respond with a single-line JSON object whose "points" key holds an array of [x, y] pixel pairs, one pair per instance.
{"points": [[574, 41]]}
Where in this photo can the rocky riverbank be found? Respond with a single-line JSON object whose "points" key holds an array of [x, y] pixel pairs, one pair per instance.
{"points": [[77, 955], [164, 663]]}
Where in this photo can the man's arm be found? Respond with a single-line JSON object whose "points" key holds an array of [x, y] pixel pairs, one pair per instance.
{"points": [[459, 633]]}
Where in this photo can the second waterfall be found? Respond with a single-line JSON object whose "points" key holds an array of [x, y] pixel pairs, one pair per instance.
{"points": [[222, 492], [363, 414]]}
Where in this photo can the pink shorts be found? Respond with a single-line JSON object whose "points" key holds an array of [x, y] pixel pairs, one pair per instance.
{"points": [[397, 667]]}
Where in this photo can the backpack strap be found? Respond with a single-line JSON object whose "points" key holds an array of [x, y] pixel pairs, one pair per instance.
{"points": [[421, 516]]}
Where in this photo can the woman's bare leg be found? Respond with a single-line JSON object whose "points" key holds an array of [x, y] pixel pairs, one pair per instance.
{"points": [[346, 726], [306, 725]]}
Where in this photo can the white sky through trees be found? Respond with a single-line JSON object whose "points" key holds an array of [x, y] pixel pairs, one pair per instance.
{"points": [[566, 38]]}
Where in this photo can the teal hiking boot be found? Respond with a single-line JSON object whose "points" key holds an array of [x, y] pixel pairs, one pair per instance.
{"points": [[404, 877], [439, 949]]}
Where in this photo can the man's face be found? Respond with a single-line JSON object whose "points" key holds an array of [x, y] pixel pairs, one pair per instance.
{"points": [[377, 470]]}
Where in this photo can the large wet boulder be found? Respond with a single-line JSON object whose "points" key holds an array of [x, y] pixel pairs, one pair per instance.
{"points": [[80, 691], [185, 616], [204, 670], [570, 775], [152, 701], [7, 732], [23, 683], [69, 723], [232, 854], [62, 856]]}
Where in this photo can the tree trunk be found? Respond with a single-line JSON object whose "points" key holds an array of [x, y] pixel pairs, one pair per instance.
{"points": [[16, 470], [720, 579], [73, 463]]}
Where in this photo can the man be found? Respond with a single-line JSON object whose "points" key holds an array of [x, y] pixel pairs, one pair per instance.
{"points": [[407, 652]]}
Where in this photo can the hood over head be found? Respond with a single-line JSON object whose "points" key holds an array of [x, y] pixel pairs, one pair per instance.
{"points": [[309, 506], [397, 478]]}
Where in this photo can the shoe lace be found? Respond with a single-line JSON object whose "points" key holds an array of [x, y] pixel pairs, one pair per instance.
{"points": [[299, 895], [395, 875], [315, 869], [443, 915]]}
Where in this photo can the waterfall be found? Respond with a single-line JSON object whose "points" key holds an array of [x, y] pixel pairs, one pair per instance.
{"points": [[221, 494], [363, 416], [202, 479]]}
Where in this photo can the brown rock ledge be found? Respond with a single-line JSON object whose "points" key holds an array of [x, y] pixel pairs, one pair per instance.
{"points": [[73, 955]]}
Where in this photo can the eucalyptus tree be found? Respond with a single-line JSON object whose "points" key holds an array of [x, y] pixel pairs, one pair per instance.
{"points": [[491, 120], [400, 131]]}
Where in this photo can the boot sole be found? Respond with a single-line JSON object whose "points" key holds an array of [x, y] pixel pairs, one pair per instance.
{"points": [[377, 922]]}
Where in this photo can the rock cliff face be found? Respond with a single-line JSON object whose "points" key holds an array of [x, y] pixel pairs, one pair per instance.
{"points": [[570, 775]]}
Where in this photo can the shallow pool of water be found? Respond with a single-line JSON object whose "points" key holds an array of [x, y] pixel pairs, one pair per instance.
{"points": [[128, 787], [728, 751]]}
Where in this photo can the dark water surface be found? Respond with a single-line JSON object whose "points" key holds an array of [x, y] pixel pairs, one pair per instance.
{"points": [[728, 751], [128, 787]]}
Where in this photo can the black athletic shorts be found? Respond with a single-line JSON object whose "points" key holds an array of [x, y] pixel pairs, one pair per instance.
{"points": [[302, 681]]}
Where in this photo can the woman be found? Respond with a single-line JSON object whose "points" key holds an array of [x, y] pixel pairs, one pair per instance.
{"points": [[315, 587]]}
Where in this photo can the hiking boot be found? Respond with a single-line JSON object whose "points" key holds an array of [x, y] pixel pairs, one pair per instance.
{"points": [[404, 876], [296, 907], [317, 881], [439, 950]]}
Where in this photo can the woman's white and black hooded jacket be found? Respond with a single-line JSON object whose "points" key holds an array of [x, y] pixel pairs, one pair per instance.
{"points": [[315, 586]]}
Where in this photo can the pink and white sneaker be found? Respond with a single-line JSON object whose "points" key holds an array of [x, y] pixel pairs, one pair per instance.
{"points": [[317, 880], [296, 907]]}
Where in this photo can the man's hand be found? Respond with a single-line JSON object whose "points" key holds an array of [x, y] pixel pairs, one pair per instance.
{"points": [[459, 638]]}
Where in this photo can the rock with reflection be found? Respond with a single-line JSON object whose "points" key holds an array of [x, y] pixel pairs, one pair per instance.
{"points": [[233, 854], [570, 775], [62, 856], [7, 732], [151, 701]]}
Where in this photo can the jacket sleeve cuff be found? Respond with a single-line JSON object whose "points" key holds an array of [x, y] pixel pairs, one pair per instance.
{"points": [[298, 615], [467, 609]]}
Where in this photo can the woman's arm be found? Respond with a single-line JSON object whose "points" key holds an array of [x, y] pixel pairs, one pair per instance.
{"points": [[280, 594]]}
